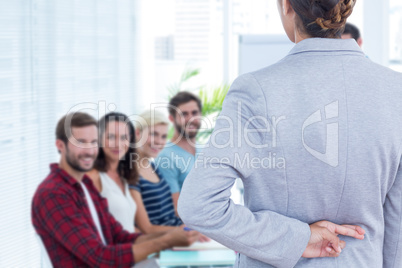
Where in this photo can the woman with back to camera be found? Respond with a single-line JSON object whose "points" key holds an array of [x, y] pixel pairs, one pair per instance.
{"points": [[333, 120]]}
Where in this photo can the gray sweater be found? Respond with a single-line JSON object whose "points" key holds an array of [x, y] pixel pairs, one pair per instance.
{"points": [[316, 136]]}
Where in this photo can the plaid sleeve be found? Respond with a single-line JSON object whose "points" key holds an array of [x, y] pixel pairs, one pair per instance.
{"points": [[66, 223]]}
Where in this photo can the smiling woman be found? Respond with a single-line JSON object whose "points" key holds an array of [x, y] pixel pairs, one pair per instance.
{"points": [[151, 193], [112, 171]]}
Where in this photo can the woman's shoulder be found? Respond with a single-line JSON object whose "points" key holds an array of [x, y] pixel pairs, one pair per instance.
{"points": [[151, 184], [94, 175], [139, 183], [156, 170]]}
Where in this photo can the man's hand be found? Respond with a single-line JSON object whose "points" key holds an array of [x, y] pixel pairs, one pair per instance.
{"points": [[324, 240], [180, 237]]}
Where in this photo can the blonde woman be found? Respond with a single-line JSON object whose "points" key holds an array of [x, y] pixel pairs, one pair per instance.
{"points": [[152, 193]]}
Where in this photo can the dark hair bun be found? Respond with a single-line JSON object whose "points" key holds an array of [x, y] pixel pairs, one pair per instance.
{"points": [[323, 18], [320, 8]]}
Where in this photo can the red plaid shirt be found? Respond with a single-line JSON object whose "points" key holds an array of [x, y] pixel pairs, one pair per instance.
{"points": [[61, 217]]}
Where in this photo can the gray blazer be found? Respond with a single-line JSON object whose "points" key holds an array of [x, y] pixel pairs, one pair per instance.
{"points": [[316, 136]]}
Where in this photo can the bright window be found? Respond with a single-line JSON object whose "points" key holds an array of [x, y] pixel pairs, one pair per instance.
{"points": [[395, 34], [55, 56]]}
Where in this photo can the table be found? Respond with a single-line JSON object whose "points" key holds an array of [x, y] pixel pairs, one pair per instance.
{"points": [[204, 258]]}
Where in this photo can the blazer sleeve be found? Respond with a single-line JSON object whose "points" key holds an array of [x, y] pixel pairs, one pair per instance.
{"points": [[392, 250], [205, 203]]}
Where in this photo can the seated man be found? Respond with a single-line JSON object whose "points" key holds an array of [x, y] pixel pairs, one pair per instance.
{"points": [[178, 157], [72, 218]]}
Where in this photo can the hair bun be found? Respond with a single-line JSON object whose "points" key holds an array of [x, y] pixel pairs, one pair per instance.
{"points": [[323, 18], [325, 5], [333, 13], [316, 9]]}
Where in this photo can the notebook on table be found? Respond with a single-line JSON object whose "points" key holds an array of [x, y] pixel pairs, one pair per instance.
{"points": [[202, 257], [202, 246]]}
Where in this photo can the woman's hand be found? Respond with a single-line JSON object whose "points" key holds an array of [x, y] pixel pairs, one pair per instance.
{"points": [[203, 238], [324, 240], [178, 237]]}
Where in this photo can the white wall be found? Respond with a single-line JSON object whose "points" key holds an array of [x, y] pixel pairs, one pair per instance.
{"points": [[376, 30]]}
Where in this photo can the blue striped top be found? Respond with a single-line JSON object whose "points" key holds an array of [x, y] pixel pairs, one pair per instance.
{"points": [[158, 201]]}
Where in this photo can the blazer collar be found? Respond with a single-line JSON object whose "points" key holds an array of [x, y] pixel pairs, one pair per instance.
{"points": [[327, 45]]}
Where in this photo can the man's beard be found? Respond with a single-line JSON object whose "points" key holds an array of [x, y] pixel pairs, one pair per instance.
{"points": [[73, 162], [186, 134]]}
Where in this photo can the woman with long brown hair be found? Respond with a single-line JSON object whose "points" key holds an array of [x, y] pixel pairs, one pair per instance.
{"points": [[113, 170], [116, 170]]}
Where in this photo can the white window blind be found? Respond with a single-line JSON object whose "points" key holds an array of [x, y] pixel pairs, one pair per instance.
{"points": [[55, 55]]}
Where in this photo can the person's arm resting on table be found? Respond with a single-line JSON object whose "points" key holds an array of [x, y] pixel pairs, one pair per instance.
{"points": [[142, 219], [65, 223]]}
